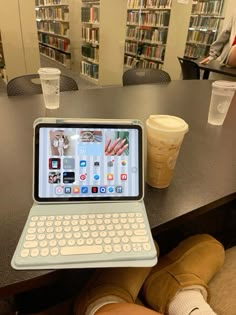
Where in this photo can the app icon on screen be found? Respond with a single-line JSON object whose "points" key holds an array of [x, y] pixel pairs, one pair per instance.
{"points": [[59, 190], [96, 177], [67, 190], [110, 163], [103, 189], [68, 163], [94, 189], [68, 177], [123, 176], [123, 163], [110, 189], [83, 176], [119, 189], [84, 190], [82, 163], [96, 163], [110, 176], [76, 190], [54, 163]]}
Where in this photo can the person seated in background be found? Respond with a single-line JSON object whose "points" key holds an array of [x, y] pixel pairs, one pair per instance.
{"points": [[225, 45], [177, 285]]}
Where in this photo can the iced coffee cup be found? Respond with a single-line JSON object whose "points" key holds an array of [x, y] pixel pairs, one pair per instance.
{"points": [[164, 138], [221, 97], [50, 81]]}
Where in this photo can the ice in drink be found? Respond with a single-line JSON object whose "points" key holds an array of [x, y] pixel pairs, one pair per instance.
{"points": [[164, 138]]}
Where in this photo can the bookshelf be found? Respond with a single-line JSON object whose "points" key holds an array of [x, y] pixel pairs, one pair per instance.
{"points": [[146, 33], [203, 27], [53, 25], [102, 43]]}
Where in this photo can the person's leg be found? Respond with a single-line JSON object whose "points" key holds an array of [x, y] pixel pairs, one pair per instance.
{"points": [[178, 283], [232, 57], [125, 309]]}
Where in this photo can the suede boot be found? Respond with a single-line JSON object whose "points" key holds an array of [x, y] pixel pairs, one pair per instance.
{"points": [[192, 263], [124, 283]]}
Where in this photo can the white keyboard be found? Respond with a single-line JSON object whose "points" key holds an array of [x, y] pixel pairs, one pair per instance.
{"points": [[59, 239]]}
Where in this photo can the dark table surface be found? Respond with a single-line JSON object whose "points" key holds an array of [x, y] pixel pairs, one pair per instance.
{"points": [[215, 66], [204, 177]]}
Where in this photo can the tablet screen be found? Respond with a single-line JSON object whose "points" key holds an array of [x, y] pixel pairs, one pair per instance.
{"points": [[88, 161]]}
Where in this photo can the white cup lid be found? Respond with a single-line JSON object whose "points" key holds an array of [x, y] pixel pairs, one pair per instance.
{"points": [[167, 124], [48, 71], [228, 85]]}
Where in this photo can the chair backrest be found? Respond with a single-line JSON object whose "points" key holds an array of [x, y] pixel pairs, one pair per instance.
{"points": [[190, 69], [145, 76], [30, 84]]}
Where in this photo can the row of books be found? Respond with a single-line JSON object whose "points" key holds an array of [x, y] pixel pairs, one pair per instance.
{"points": [[158, 36], [53, 13], [64, 59], [56, 28], [90, 14], [203, 22], [50, 2], [160, 18], [90, 53], [149, 4], [193, 51], [133, 62], [89, 69], [201, 37], [58, 43], [146, 51], [90, 1], [90, 34], [210, 7]]}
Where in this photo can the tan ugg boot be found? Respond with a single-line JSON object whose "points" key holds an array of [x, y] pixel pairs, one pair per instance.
{"points": [[124, 283], [192, 263]]}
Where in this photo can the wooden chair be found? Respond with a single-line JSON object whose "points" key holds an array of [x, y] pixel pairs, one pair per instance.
{"points": [[145, 76], [190, 69], [30, 84]]}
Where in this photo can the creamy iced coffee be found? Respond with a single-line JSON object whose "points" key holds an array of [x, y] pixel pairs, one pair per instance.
{"points": [[164, 137]]}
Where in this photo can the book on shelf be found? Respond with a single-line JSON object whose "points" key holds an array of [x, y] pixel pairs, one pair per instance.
{"points": [[90, 14], [90, 53], [90, 34], [89, 69], [145, 51], [53, 13], [133, 62], [149, 4], [207, 7], [204, 22], [60, 57], [58, 43], [50, 2], [160, 18], [201, 37], [155, 36], [54, 27], [196, 51]]}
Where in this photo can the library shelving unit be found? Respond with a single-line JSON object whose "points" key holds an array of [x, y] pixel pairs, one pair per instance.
{"points": [[146, 33], [203, 27], [53, 26], [102, 43]]}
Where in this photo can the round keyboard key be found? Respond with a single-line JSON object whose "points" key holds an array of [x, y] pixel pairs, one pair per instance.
{"points": [[51, 218], [32, 224], [93, 228], [94, 234], [54, 251], [103, 234], [126, 226], [71, 242], [41, 230], [125, 239], [40, 223], [80, 242], [107, 240], [50, 236], [30, 237], [131, 215], [44, 252], [110, 227], [117, 248], [140, 220], [41, 237], [30, 244], [49, 223], [108, 248], [67, 228], [42, 218], [116, 240], [89, 241], [107, 221], [75, 217], [99, 221], [126, 248], [139, 215], [74, 222], [59, 217], [34, 218], [65, 223], [115, 215], [123, 221], [57, 223], [34, 252], [67, 217], [98, 241], [59, 236], [91, 216], [49, 229], [120, 233], [111, 233], [134, 226], [31, 230], [43, 243], [99, 216], [142, 226], [62, 242], [131, 220], [85, 234], [101, 227], [68, 235], [107, 215], [84, 228], [82, 222], [115, 221], [90, 222], [118, 227], [140, 232], [75, 228], [24, 253], [76, 235], [83, 216], [146, 246], [53, 243], [123, 215], [58, 229]]}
